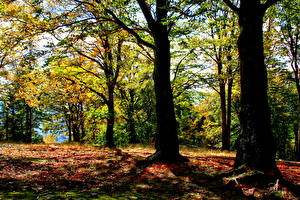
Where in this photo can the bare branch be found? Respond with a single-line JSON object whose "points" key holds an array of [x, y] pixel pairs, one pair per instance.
{"points": [[187, 85], [89, 71], [147, 13], [85, 2], [88, 57], [179, 63], [146, 54], [233, 7], [129, 30]]}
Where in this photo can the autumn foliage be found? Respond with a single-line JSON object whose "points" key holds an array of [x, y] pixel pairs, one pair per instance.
{"points": [[84, 172]]}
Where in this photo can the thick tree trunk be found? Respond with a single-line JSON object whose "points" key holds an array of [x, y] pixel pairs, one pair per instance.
{"points": [[76, 131], [297, 133], [110, 120], [167, 146], [73, 117], [256, 144], [70, 134], [297, 143]]}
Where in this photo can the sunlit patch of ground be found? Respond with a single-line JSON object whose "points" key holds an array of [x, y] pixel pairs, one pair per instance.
{"points": [[84, 172]]}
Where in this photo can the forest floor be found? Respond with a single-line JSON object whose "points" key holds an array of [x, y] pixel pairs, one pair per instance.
{"points": [[74, 172]]}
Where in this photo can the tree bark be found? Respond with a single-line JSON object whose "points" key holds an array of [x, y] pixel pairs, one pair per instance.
{"points": [[222, 86], [229, 101], [130, 120], [110, 120], [6, 124], [256, 147], [74, 122], [167, 146], [13, 129], [29, 117], [68, 121], [295, 68], [297, 143], [82, 120]]}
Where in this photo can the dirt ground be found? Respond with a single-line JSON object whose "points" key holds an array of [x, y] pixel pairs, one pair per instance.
{"points": [[83, 172]]}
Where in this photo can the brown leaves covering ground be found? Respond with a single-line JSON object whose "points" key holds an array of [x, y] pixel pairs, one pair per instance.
{"points": [[83, 172]]}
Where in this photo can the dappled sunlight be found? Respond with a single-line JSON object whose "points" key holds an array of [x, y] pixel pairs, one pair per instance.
{"points": [[58, 171]]}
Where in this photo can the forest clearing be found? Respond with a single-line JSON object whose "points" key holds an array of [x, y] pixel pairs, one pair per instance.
{"points": [[110, 74], [61, 171]]}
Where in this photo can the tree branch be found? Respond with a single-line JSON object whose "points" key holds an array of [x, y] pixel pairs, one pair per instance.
{"points": [[146, 54], [84, 2], [268, 4], [130, 31], [90, 58], [231, 6], [119, 61], [84, 84], [185, 86], [2, 64], [88, 71], [147, 13], [179, 63]]}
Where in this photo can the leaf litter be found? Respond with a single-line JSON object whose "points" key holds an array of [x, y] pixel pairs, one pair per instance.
{"points": [[61, 171]]}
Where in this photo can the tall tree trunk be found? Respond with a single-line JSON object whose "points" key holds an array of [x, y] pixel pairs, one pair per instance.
{"points": [[167, 146], [131, 122], [82, 119], [70, 134], [110, 120], [68, 121], [13, 129], [256, 144], [6, 124], [73, 122], [297, 142], [29, 116], [295, 68], [222, 86], [76, 131], [297, 133], [229, 101]]}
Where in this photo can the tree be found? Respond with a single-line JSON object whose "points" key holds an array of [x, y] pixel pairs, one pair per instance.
{"points": [[110, 63], [253, 150], [219, 55], [288, 13], [131, 89], [283, 104], [18, 115], [98, 61], [167, 146]]}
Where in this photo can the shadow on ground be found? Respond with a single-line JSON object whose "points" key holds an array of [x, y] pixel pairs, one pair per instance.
{"points": [[66, 173], [63, 172]]}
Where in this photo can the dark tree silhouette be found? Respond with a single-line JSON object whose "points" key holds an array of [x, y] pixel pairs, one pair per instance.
{"points": [[256, 147], [167, 147]]}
